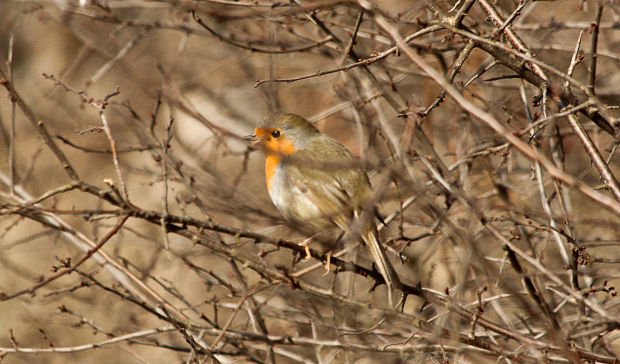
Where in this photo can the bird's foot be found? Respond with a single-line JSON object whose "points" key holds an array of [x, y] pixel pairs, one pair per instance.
{"points": [[306, 245], [328, 263]]}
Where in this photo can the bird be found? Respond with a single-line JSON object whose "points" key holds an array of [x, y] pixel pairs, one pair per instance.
{"points": [[316, 183]]}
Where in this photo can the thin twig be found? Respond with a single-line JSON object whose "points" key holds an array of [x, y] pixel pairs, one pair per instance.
{"points": [[593, 45], [249, 47], [39, 126], [9, 63], [68, 267], [108, 132], [596, 157]]}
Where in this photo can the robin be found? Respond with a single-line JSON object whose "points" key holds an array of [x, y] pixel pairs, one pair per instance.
{"points": [[311, 194]]}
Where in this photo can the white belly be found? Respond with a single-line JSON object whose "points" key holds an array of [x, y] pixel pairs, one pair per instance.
{"points": [[295, 205]]}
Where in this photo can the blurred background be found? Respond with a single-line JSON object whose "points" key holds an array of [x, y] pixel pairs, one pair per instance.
{"points": [[135, 225]]}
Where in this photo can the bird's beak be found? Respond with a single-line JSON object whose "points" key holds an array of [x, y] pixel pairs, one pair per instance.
{"points": [[252, 139], [260, 135]]}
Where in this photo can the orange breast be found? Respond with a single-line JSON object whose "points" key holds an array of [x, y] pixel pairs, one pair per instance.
{"points": [[271, 162], [275, 149]]}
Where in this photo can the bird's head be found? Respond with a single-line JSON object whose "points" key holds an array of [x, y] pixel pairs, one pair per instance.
{"points": [[285, 133]]}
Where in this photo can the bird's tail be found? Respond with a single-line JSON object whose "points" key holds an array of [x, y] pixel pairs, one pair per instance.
{"points": [[371, 238]]}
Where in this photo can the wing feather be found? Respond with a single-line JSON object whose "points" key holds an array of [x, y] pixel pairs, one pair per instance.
{"points": [[336, 191]]}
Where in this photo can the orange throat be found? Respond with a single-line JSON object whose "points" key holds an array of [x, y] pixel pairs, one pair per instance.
{"points": [[275, 150], [273, 156]]}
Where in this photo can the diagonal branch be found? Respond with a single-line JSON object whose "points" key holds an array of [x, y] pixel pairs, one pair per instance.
{"points": [[494, 123]]}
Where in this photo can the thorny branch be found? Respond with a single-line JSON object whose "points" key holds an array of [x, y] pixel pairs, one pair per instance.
{"points": [[479, 124]]}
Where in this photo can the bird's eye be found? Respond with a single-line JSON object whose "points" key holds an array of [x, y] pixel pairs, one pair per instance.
{"points": [[275, 133]]}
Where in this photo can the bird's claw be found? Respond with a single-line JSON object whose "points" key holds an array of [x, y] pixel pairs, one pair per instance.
{"points": [[328, 263], [306, 245]]}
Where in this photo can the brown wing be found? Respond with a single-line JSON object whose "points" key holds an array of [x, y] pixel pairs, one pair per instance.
{"points": [[340, 194], [336, 190]]}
